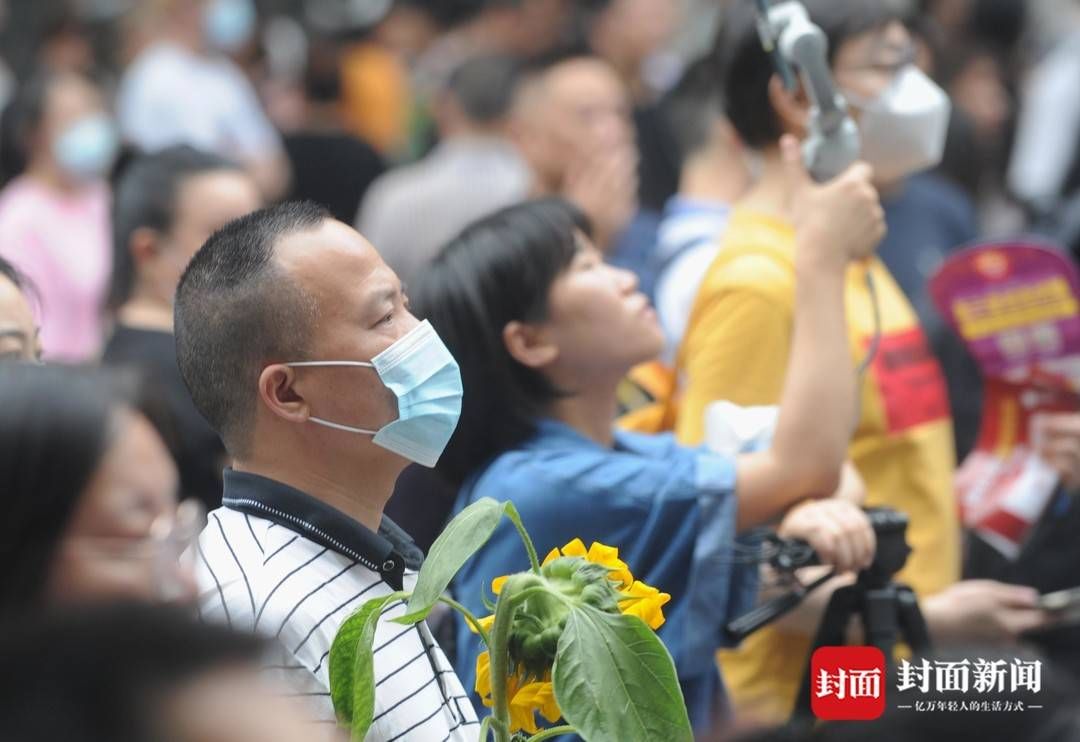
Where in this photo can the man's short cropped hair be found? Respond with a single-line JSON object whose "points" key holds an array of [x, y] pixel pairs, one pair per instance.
{"points": [[236, 312]]}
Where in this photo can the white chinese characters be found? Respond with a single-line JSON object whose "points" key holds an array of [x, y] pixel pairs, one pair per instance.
{"points": [[849, 683], [981, 676]]}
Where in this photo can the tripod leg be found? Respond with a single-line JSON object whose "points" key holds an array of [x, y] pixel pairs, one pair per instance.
{"points": [[881, 619], [912, 624], [842, 606]]}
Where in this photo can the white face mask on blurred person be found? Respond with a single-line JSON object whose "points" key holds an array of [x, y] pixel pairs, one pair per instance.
{"points": [[229, 24], [903, 130], [87, 149]]}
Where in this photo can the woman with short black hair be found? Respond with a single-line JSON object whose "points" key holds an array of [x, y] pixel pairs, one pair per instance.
{"points": [[543, 331]]}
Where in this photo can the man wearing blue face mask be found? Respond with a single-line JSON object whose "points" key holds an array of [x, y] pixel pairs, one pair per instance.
{"points": [[297, 345], [54, 217], [182, 88]]}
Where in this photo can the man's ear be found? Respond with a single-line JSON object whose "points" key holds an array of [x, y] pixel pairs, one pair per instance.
{"points": [[529, 345], [277, 391], [792, 107]]}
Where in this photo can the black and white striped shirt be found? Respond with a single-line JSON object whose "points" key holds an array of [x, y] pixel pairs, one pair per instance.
{"points": [[283, 564]]}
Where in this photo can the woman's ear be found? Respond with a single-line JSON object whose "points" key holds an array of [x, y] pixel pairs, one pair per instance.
{"points": [[277, 391], [529, 345], [791, 106], [143, 245]]}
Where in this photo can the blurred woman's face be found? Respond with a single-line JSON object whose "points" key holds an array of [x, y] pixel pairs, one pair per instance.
{"points": [[77, 134], [241, 704], [19, 339], [70, 100], [119, 542], [205, 203], [868, 63], [599, 320]]}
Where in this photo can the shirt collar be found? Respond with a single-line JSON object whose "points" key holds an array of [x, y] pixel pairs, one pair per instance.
{"points": [[679, 205], [387, 552], [552, 433]]}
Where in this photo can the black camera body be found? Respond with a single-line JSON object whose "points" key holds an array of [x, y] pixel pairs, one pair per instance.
{"points": [[890, 529]]}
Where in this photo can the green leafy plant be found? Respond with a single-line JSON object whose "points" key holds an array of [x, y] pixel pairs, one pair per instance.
{"points": [[571, 639]]}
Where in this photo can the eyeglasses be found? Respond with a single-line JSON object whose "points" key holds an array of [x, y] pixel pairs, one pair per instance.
{"points": [[902, 58], [167, 547]]}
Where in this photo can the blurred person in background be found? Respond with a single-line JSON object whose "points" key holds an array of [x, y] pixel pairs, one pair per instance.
{"points": [[1044, 167], [140, 673], [375, 41], [978, 62], [977, 67], [933, 213], [573, 125], [89, 509], [474, 170], [636, 38], [522, 29], [65, 45], [517, 28], [181, 88], [54, 217], [165, 206], [713, 175], [20, 338], [7, 77], [331, 166], [929, 213], [737, 345], [628, 34]]}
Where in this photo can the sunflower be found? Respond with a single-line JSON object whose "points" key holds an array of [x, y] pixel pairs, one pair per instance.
{"points": [[635, 597], [530, 690], [525, 698]]}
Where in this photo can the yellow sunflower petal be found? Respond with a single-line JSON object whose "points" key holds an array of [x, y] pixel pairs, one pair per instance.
{"points": [[486, 622], [609, 557], [549, 709], [483, 677], [645, 602], [497, 584], [522, 705], [530, 698], [575, 548], [551, 556], [523, 718], [602, 553]]}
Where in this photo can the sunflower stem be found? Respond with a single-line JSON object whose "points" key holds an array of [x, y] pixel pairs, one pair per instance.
{"points": [[515, 518], [553, 732], [468, 615], [499, 649]]}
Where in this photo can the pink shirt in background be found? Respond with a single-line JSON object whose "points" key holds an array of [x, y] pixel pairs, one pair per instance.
{"points": [[61, 242]]}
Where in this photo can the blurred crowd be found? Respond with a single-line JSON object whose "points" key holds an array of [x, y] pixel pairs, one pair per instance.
{"points": [[583, 211]]}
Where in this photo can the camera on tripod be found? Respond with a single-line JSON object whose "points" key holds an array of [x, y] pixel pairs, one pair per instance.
{"points": [[890, 529], [889, 611]]}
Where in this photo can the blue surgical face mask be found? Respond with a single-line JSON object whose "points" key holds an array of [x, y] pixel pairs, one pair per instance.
{"points": [[228, 24], [87, 148], [425, 378]]}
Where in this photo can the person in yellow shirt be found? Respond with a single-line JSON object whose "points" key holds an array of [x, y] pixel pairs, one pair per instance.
{"points": [[738, 340]]}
